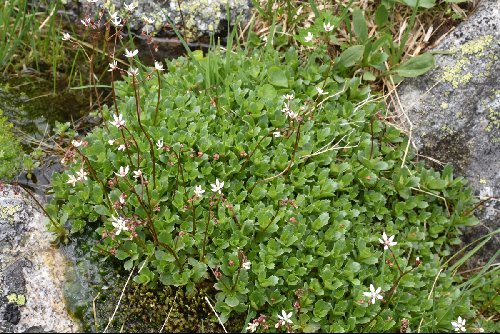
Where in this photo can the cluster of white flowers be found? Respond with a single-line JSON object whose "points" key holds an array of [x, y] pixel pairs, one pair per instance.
{"points": [[80, 175], [286, 108]]}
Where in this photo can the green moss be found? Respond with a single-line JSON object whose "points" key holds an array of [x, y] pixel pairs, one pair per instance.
{"points": [[9, 150]]}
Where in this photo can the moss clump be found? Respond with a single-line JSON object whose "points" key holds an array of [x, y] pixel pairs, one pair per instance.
{"points": [[9, 150], [146, 309]]}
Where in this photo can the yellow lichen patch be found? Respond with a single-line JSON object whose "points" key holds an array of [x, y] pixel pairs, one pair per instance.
{"points": [[444, 105], [476, 46], [7, 212], [455, 74], [482, 181], [493, 120], [445, 128], [16, 299]]}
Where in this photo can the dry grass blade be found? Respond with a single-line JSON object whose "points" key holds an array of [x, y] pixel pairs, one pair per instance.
{"points": [[218, 318]]}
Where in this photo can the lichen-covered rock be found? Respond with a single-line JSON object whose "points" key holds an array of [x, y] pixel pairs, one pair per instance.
{"points": [[31, 270], [455, 111], [195, 17]]}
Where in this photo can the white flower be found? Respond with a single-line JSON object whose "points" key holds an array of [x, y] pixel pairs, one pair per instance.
{"points": [[66, 36], [130, 54], [481, 330], [292, 114], [130, 7], [77, 143], [111, 142], [92, 1], [285, 318], [459, 325], [288, 97], [122, 148], [118, 121], [120, 224], [86, 22], [148, 20], [217, 187], [113, 66], [81, 174], [72, 179], [158, 66], [277, 134], [246, 265], [328, 26], [116, 20], [309, 37], [373, 294], [321, 91], [122, 172], [137, 173], [122, 198], [387, 242], [132, 71], [198, 191], [252, 326], [159, 144]]}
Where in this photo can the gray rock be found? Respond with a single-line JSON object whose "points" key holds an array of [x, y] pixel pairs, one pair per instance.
{"points": [[455, 111], [31, 269], [199, 17]]}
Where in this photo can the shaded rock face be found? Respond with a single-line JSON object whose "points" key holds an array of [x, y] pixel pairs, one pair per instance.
{"points": [[199, 17], [455, 111], [31, 270]]}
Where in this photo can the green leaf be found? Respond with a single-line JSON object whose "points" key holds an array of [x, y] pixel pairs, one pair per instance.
{"points": [[421, 3], [351, 56], [277, 77], [321, 221], [381, 15], [415, 66], [232, 301], [321, 308], [360, 27]]}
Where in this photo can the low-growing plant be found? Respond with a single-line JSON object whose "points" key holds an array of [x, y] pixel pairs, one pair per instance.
{"points": [[280, 181], [10, 159]]}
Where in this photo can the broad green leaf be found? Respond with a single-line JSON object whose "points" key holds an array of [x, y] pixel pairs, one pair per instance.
{"points": [[421, 3], [381, 15], [277, 77], [360, 27], [415, 66], [351, 56]]}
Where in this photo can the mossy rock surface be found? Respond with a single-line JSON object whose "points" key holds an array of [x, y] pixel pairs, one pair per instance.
{"points": [[455, 111]]}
